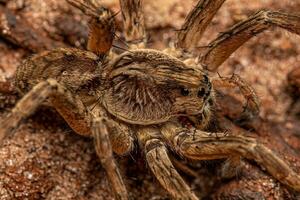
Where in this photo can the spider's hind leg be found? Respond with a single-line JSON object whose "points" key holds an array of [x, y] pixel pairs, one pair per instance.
{"points": [[69, 106], [101, 26]]}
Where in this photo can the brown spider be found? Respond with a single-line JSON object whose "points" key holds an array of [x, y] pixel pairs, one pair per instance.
{"points": [[141, 93]]}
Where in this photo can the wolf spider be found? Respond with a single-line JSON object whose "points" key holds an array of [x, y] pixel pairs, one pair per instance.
{"points": [[141, 93]]}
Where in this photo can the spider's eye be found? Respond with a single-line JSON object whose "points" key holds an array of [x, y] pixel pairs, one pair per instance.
{"points": [[205, 79], [184, 92], [201, 92]]}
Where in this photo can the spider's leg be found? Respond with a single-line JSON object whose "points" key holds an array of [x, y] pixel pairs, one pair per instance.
{"points": [[133, 22], [201, 145], [77, 116], [120, 135], [101, 26], [70, 107], [196, 23], [161, 165], [251, 107], [229, 41], [105, 154], [86, 7]]}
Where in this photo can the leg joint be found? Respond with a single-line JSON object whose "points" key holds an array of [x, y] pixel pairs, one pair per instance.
{"points": [[97, 121], [153, 144], [53, 83], [265, 15]]}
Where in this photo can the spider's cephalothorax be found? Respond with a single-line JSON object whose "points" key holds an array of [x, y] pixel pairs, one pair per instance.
{"points": [[150, 87], [139, 94]]}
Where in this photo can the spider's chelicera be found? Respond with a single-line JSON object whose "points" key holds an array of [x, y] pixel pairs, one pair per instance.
{"points": [[142, 93]]}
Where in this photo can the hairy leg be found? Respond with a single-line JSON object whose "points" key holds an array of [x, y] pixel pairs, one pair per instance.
{"points": [[105, 153], [196, 23], [101, 26], [161, 165], [68, 105], [121, 137], [87, 7], [77, 116], [133, 21], [200, 145], [229, 41]]}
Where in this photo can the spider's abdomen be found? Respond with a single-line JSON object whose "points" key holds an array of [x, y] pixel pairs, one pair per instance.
{"points": [[74, 68]]}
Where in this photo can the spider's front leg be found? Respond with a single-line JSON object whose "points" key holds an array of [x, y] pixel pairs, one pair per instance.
{"points": [[196, 23], [229, 41], [199, 145], [161, 165]]}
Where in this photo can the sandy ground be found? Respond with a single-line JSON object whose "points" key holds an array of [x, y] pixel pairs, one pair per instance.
{"points": [[44, 159]]}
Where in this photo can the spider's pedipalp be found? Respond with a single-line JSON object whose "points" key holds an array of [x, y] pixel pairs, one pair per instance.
{"points": [[229, 41], [251, 107], [200, 145], [105, 154], [196, 23], [133, 22], [161, 165]]}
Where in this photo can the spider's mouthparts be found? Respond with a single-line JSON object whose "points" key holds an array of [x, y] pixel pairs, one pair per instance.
{"points": [[186, 122], [199, 120], [194, 121]]}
